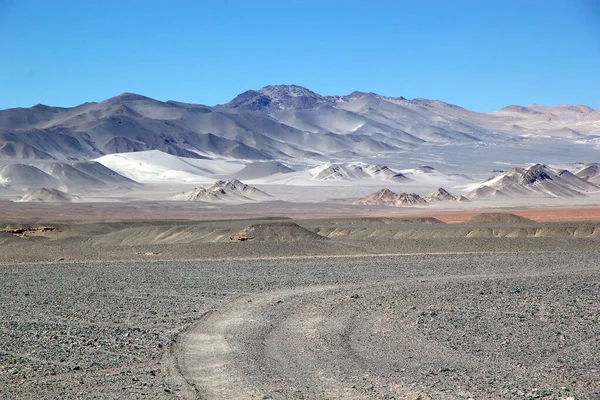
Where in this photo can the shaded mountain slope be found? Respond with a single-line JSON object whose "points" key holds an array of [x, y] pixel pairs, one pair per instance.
{"points": [[262, 169], [275, 122], [26, 176], [590, 173]]}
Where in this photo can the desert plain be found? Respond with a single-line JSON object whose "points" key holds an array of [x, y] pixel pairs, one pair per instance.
{"points": [[285, 243], [292, 301]]}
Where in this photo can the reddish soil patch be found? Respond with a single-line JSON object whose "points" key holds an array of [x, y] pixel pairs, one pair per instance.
{"points": [[539, 215]]}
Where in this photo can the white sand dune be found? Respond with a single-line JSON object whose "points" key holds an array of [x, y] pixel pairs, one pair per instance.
{"points": [[100, 172], [427, 175], [262, 169], [156, 166]]}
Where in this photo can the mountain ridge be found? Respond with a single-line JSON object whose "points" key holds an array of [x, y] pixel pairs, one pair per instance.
{"points": [[535, 180], [276, 122]]}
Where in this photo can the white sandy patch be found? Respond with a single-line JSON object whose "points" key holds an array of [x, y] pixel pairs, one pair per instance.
{"points": [[156, 166]]}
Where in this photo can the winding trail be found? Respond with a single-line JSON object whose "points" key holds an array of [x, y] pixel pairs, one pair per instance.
{"points": [[366, 340]]}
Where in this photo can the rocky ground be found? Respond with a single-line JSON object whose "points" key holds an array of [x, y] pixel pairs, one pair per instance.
{"points": [[306, 309], [522, 325]]}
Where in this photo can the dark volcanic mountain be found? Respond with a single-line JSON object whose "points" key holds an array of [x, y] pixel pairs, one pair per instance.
{"points": [[272, 99], [275, 122]]}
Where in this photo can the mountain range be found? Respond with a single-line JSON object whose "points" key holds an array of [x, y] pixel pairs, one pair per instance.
{"points": [[275, 123], [535, 181], [385, 197]]}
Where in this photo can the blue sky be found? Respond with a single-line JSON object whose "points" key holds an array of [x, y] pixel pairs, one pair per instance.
{"points": [[482, 55]]}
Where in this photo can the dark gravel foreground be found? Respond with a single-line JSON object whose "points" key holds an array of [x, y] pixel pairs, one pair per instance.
{"points": [[482, 326]]}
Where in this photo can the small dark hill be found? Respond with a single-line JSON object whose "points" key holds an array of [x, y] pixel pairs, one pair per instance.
{"points": [[275, 232], [501, 218], [381, 220]]}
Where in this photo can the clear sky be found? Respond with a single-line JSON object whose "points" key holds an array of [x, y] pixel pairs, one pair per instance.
{"points": [[482, 55]]}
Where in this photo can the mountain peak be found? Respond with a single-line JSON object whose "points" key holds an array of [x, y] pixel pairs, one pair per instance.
{"points": [[442, 195], [358, 93], [518, 109], [385, 197], [288, 90], [441, 191], [127, 96], [275, 98]]}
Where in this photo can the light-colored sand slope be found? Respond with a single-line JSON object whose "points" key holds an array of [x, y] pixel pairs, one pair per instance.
{"points": [[156, 166], [263, 169], [574, 121], [427, 175], [108, 176]]}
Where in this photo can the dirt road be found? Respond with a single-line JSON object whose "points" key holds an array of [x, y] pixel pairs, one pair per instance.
{"points": [[516, 327]]}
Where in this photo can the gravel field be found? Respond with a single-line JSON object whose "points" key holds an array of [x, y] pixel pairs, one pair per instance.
{"points": [[447, 326]]}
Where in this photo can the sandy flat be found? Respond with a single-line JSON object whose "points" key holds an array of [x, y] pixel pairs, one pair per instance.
{"points": [[550, 214], [170, 210]]}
